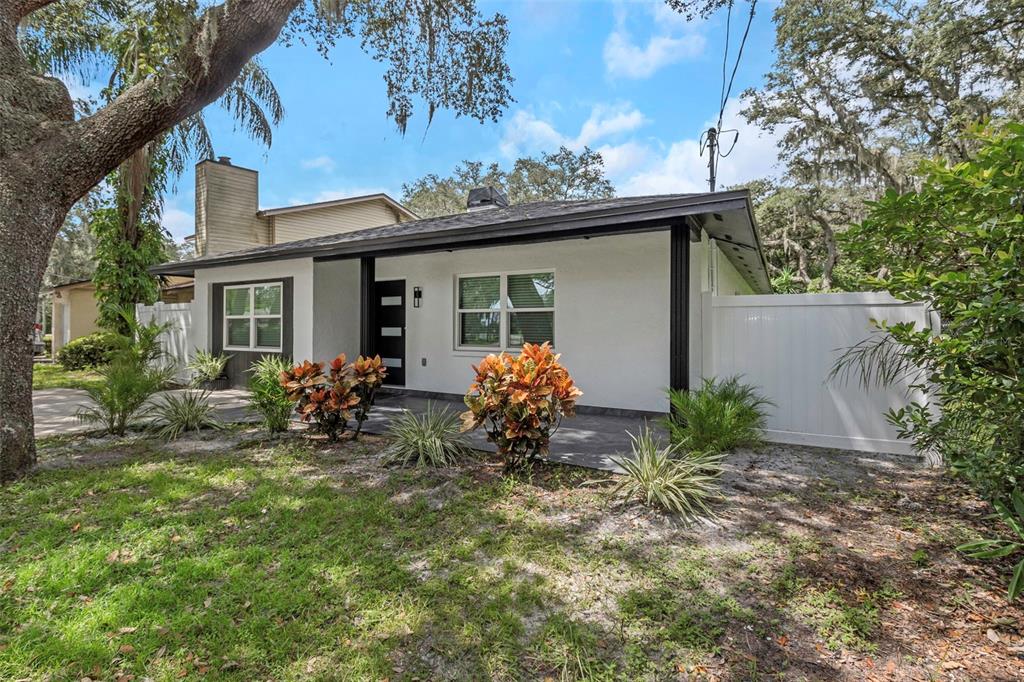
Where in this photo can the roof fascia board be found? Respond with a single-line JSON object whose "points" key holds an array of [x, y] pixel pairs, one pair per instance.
{"points": [[269, 212]]}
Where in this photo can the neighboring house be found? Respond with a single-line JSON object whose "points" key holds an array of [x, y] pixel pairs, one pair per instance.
{"points": [[74, 312], [228, 218], [615, 284]]}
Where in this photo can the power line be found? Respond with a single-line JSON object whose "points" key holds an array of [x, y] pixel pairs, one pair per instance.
{"points": [[709, 140]]}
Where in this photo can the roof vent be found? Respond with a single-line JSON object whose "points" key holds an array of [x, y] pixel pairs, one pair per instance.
{"points": [[486, 197], [226, 160]]}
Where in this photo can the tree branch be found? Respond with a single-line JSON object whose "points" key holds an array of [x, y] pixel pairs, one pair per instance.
{"points": [[223, 40], [19, 9]]}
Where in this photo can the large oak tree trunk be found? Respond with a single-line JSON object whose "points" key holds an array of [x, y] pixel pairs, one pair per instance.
{"points": [[48, 161], [27, 220]]}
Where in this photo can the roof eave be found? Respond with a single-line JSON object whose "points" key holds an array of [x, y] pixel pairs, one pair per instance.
{"points": [[662, 212]]}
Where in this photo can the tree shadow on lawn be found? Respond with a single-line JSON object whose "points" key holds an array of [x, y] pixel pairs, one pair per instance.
{"points": [[120, 570], [297, 563]]}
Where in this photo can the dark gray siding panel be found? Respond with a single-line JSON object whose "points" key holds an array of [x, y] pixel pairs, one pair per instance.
{"points": [[240, 362]]}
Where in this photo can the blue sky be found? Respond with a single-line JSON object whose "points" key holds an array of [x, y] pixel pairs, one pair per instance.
{"points": [[631, 79]]}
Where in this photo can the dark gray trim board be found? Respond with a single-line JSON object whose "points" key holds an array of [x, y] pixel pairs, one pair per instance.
{"points": [[679, 308], [581, 409], [367, 309], [240, 361]]}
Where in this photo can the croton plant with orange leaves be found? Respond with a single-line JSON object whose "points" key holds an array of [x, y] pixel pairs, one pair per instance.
{"points": [[330, 400], [520, 401]]}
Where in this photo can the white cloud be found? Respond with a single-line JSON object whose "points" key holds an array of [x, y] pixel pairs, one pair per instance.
{"points": [[605, 121], [621, 159], [324, 163], [344, 192], [525, 133], [681, 168], [673, 40], [638, 167], [623, 57], [178, 222]]}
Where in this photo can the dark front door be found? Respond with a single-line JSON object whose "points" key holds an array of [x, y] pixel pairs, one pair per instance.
{"points": [[389, 338]]}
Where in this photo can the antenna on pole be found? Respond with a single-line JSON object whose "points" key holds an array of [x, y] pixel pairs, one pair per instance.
{"points": [[710, 138]]}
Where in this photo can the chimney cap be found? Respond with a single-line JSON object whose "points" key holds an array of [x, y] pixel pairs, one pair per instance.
{"points": [[226, 160], [486, 197]]}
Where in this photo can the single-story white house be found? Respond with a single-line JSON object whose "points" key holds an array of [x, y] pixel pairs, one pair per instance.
{"points": [[614, 284]]}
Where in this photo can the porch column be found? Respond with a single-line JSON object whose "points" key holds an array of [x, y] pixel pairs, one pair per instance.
{"points": [[367, 305], [679, 304]]}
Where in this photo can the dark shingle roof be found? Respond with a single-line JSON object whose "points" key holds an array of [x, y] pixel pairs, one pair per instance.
{"points": [[462, 228]]}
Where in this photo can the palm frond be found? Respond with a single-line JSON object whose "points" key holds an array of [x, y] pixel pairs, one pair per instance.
{"points": [[877, 361]]}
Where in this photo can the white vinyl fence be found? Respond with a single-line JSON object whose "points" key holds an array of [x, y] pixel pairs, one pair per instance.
{"points": [[177, 340], [787, 345]]}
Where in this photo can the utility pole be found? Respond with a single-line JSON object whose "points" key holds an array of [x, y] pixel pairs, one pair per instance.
{"points": [[712, 146]]}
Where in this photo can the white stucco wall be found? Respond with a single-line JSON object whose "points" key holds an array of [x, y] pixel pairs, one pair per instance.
{"points": [[729, 283], [335, 309], [611, 314], [301, 272]]}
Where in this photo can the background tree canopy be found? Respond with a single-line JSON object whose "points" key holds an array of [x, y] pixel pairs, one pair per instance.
{"points": [[561, 175], [861, 93]]}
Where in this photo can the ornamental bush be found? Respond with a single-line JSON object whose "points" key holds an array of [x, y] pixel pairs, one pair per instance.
{"points": [[93, 350], [956, 243], [519, 401], [330, 400]]}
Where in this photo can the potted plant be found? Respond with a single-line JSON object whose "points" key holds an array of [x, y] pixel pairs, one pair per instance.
{"points": [[208, 371]]}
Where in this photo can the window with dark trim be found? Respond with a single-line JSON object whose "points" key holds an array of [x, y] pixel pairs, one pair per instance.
{"points": [[499, 311], [253, 317]]}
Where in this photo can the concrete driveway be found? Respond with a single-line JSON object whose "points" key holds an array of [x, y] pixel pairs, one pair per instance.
{"points": [[55, 409]]}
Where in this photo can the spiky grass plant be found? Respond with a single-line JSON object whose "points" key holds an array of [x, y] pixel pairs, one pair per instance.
{"points": [[267, 396], [431, 439], [122, 397], [667, 477], [179, 414], [205, 366], [721, 415]]}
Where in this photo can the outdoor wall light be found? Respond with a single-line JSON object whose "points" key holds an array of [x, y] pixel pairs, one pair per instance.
{"points": [[417, 296]]}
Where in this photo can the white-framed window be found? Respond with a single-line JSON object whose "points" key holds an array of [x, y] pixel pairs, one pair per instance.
{"points": [[504, 310], [252, 317]]}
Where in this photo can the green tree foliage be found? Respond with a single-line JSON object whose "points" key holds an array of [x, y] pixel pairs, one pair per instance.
{"points": [[73, 256], [122, 276], [957, 243], [124, 43], [862, 92], [561, 175]]}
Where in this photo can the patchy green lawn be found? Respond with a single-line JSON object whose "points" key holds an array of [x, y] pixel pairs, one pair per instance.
{"points": [[53, 375], [236, 559]]}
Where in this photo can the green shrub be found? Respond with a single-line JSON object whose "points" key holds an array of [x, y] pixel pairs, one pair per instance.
{"points": [[721, 415], [205, 366], [666, 477], [132, 376], [954, 242], [93, 350], [430, 439], [267, 396], [122, 397], [179, 414]]}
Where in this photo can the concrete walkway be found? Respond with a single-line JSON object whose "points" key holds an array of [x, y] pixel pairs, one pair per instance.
{"points": [[587, 440], [55, 409]]}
